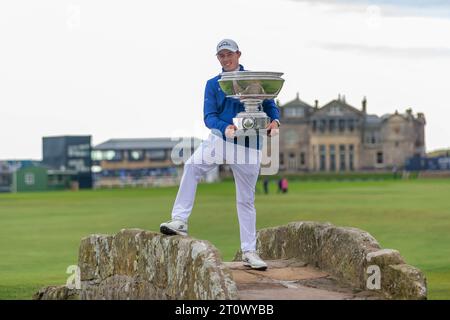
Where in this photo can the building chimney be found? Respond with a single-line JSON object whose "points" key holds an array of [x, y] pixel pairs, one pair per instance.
{"points": [[298, 96], [364, 105], [316, 104], [339, 97], [421, 117], [343, 98]]}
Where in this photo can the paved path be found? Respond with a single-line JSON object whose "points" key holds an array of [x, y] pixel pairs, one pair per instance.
{"points": [[291, 280]]}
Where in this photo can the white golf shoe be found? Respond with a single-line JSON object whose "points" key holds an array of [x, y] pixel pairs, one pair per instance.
{"points": [[174, 227], [251, 259]]}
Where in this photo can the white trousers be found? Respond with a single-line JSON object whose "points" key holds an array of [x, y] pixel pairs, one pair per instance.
{"points": [[245, 164]]}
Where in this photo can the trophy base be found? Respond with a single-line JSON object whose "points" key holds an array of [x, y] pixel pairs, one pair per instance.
{"points": [[251, 121], [250, 132]]}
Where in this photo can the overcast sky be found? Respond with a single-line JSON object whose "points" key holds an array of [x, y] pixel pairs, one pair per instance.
{"points": [[124, 69]]}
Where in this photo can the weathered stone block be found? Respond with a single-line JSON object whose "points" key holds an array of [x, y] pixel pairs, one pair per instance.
{"points": [[57, 293], [137, 264], [403, 282], [94, 257]]}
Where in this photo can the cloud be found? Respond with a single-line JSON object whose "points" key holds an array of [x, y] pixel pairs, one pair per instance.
{"points": [[434, 8], [402, 3], [400, 52]]}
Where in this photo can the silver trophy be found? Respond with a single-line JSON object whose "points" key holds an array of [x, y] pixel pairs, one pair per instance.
{"points": [[251, 88]]}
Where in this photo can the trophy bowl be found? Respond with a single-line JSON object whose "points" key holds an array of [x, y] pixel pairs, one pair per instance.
{"points": [[251, 84], [251, 88]]}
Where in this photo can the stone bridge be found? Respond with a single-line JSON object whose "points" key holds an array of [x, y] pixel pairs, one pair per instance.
{"points": [[307, 260]]}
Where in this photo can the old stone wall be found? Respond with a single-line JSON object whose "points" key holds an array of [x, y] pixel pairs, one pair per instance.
{"points": [[349, 254]]}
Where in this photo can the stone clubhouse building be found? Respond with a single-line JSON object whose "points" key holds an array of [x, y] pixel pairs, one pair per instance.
{"points": [[338, 137]]}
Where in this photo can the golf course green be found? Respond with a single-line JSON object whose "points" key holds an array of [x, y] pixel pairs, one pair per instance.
{"points": [[40, 232]]}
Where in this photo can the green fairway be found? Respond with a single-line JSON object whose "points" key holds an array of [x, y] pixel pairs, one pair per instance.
{"points": [[40, 232]]}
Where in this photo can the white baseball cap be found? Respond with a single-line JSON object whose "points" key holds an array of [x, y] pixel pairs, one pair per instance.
{"points": [[227, 44]]}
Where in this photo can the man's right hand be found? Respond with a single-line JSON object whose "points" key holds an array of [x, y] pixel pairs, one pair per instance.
{"points": [[230, 131]]}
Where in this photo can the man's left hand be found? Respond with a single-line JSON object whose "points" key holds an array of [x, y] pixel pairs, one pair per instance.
{"points": [[272, 129]]}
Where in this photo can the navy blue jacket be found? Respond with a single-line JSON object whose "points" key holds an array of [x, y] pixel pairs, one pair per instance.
{"points": [[219, 111]]}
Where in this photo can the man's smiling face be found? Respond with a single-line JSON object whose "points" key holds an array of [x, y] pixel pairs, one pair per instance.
{"points": [[229, 60]]}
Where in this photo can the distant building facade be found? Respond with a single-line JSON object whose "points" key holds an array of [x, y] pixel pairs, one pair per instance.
{"points": [[5, 177], [441, 163], [140, 162], [69, 156], [29, 179], [338, 137], [32, 175], [8, 169]]}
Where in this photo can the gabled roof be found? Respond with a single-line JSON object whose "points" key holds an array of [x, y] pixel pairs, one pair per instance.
{"points": [[373, 119], [388, 116], [341, 104], [145, 143], [297, 103]]}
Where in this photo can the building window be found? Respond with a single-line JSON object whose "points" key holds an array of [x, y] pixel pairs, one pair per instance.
{"points": [[29, 179], [342, 165], [314, 125], [78, 151], [335, 110], [322, 165], [281, 159], [332, 157], [290, 137], [292, 161], [288, 112], [112, 155], [379, 157], [302, 158], [96, 155], [351, 157], [371, 137], [341, 125], [322, 125], [135, 155], [158, 154], [397, 143], [314, 154], [332, 125], [293, 112], [351, 124]]}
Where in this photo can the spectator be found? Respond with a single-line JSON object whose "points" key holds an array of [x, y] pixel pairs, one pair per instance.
{"points": [[266, 185], [279, 185], [284, 185]]}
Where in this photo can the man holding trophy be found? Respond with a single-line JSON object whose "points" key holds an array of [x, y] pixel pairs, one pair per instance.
{"points": [[232, 110]]}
